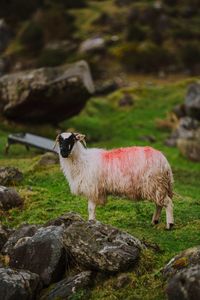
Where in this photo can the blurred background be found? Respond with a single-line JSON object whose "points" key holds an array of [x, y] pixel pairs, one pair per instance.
{"points": [[159, 37]]}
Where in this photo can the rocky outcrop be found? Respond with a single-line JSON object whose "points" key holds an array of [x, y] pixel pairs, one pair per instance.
{"points": [[65, 253], [185, 259], [192, 101], [4, 234], [43, 254], [15, 284], [96, 246], [183, 275], [25, 230], [46, 94], [185, 285], [186, 135], [9, 198], [68, 286], [10, 175]]}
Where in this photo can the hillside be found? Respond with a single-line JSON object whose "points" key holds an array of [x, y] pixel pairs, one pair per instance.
{"points": [[109, 123]]}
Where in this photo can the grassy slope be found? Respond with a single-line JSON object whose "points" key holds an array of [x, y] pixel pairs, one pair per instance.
{"points": [[46, 194]]}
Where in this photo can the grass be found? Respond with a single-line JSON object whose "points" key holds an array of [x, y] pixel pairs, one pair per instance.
{"points": [[46, 193]]}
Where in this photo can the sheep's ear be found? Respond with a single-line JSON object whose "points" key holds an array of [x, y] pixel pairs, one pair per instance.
{"points": [[81, 138]]}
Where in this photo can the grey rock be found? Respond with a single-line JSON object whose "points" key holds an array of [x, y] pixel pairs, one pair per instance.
{"points": [[66, 220], [24, 230], [186, 129], [189, 149], [68, 286], [9, 198], [15, 284], [188, 258], [92, 45], [10, 175], [192, 101], [47, 159], [185, 285], [43, 254], [96, 246], [46, 94], [4, 234]]}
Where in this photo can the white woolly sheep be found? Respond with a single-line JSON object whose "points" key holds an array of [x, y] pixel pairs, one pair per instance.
{"points": [[135, 172]]}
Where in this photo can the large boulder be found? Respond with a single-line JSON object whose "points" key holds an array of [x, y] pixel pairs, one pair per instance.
{"points": [[9, 198], [24, 230], [15, 284], [185, 285], [96, 246], [46, 94], [68, 286], [10, 175], [43, 254], [192, 101], [189, 149], [184, 260], [183, 275], [4, 234]]}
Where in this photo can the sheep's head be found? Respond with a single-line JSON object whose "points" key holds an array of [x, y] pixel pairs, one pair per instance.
{"points": [[67, 141]]}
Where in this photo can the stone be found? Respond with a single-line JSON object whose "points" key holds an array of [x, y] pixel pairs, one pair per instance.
{"points": [[105, 88], [24, 230], [186, 129], [126, 100], [189, 149], [96, 44], [43, 254], [47, 159], [185, 285], [68, 286], [4, 234], [10, 175], [100, 247], [192, 101], [187, 258], [15, 284], [66, 220], [9, 198], [46, 94]]}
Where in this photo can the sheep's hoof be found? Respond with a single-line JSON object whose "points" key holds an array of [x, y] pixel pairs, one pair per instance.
{"points": [[170, 226]]}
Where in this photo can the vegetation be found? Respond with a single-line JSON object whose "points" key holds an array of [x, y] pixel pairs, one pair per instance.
{"points": [[46, 194], [168, 31]]}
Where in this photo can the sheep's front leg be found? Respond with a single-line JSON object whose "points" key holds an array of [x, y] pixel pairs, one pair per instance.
{"points": [[156, 215], [91, 210]]}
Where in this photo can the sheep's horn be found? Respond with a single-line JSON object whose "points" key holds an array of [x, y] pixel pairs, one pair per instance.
{"points": [[56, 142]]}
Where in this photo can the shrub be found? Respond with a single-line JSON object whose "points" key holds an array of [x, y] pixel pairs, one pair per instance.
{"points": [[190, 54], [57, 24], [145, 56], [51, 58], [32, 37]]}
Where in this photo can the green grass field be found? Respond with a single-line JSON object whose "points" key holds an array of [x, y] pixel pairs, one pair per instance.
{"points": [[46, 193]]}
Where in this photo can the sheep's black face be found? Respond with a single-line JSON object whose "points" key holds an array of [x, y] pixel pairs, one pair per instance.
{"points": [[66, 145]]}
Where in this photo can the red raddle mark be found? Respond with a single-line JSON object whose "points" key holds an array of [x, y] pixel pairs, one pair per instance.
{"points": [[120, 153]]}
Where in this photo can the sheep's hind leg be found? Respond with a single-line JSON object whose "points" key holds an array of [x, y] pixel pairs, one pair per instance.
{"points": [[91, 210], [169, 213], [156, 215]]}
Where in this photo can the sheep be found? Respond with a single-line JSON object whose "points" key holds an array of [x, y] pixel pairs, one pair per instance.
{"points": [[137, 173]]}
